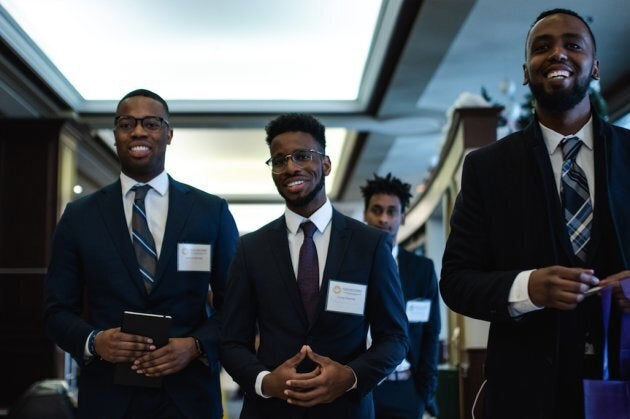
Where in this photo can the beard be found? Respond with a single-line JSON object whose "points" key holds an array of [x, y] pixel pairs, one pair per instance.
{"points": [[302, 202], [561, 101]]}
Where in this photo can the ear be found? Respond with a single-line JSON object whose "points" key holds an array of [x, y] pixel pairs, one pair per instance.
{"points": [[170, 135], [326, 165], [402, 219], [525, 75], [595, 72]]}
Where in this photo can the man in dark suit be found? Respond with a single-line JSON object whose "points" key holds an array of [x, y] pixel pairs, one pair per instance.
{"points": [[406, 392], [311, 361], [94, 276], [509, 258]]}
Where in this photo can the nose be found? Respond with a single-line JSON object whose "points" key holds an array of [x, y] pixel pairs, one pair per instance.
{"points": [[138, 130], [292, 165], [558, 53]]}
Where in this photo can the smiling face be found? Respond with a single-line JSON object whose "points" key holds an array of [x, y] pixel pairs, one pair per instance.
{"points": [[301, 186], [560, 63], [142, 152], [384, 212]]}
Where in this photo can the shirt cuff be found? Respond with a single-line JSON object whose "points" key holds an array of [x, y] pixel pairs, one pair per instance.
{"points": [[258, 384], [87, 353], [355, 380], [519, 302]]}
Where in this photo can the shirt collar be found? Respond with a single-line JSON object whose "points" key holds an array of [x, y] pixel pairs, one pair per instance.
{"points": [[553, 138], [159, 183], [395, 252], [320, 218]]}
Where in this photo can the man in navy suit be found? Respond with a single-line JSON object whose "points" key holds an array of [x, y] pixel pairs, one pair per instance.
{"points": [[311, 363], [410, 389], [94, 276], [509, 259]]}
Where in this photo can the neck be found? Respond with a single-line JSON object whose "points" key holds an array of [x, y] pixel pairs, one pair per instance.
{"points": [[567, 122]]}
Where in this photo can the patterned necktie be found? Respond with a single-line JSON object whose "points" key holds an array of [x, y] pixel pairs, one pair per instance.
{"points": [[576, 200], [143, 242], [308, 271]]}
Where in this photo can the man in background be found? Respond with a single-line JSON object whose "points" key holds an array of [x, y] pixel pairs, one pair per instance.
{"points": [[149, 244], [311, 283], [410, 389], [540, 216]]}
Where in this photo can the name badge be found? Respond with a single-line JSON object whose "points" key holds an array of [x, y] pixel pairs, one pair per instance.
{"points": [[418, 310], [193, 257], [346, 297]]}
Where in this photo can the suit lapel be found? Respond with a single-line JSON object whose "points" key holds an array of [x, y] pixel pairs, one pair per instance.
{"points": [[403, 271], [615, 154], [180, 202], [339, 239], [279, 247], [111, 207], [550, 190]]}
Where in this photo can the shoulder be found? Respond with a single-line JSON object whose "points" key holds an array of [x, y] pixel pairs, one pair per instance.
{"points": [[341, 222], [198, 194], [111, 191], [614, 132], [277, 226], [512, 143]]}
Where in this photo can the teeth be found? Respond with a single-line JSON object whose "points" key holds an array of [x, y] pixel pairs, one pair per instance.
{"points": [[558, 73], [139, 148], [297, 182]]}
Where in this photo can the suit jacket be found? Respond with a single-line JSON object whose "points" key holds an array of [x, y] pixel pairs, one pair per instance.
{"points": [[262, 295], [507, 219], [93, 277], [418, 279]]}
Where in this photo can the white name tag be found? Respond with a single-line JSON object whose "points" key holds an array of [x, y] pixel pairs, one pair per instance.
{"points": [[193, 257], [418, 310], [346, 297]]}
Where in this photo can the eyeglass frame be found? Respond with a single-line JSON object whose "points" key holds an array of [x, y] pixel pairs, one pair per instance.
{"points": [[285, 160], [162, 122]]}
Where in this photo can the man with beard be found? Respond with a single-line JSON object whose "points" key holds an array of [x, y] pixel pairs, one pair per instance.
{"points": [[310, 283], [540, 216]]}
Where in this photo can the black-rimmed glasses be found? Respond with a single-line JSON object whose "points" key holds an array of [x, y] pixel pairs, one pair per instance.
{"points": [[150, 123], [300, 157]]}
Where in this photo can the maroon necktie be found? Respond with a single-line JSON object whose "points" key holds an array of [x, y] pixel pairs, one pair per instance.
{"points": [[308, 271]]}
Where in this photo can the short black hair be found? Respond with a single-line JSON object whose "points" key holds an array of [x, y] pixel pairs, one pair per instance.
{"points": [[388, 185], [564, 12], [145, 93], [293, 122]]}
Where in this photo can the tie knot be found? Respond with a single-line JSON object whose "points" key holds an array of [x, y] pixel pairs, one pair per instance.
{"points": [[570, 147], [141, 191], [309, 228]]}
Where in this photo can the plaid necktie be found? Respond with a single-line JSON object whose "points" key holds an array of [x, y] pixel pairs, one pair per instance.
{"points": [[143, 243], [308, 271], [576, 200]]}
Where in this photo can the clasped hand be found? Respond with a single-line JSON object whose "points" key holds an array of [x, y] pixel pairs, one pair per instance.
{"points": [[115, 346], [325, 383]]}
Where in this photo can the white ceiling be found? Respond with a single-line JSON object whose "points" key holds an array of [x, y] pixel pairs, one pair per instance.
{"points": [[381, 75]]}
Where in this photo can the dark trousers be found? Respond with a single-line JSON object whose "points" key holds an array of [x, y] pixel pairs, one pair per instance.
{"points": [[398, 400], [149, 403]]}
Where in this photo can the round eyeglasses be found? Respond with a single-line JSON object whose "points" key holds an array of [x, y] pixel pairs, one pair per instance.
{"points": [[150, 123], [279, 164]]}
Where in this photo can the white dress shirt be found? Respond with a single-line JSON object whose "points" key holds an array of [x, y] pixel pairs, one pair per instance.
{"points": [[518, 299]]}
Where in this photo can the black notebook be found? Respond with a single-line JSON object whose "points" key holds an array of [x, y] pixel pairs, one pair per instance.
{"points": [[154, 326]]}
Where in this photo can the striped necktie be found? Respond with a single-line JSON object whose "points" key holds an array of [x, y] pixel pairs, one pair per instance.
{"points": [[576, 200], [308, 271], [143, 243]]}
